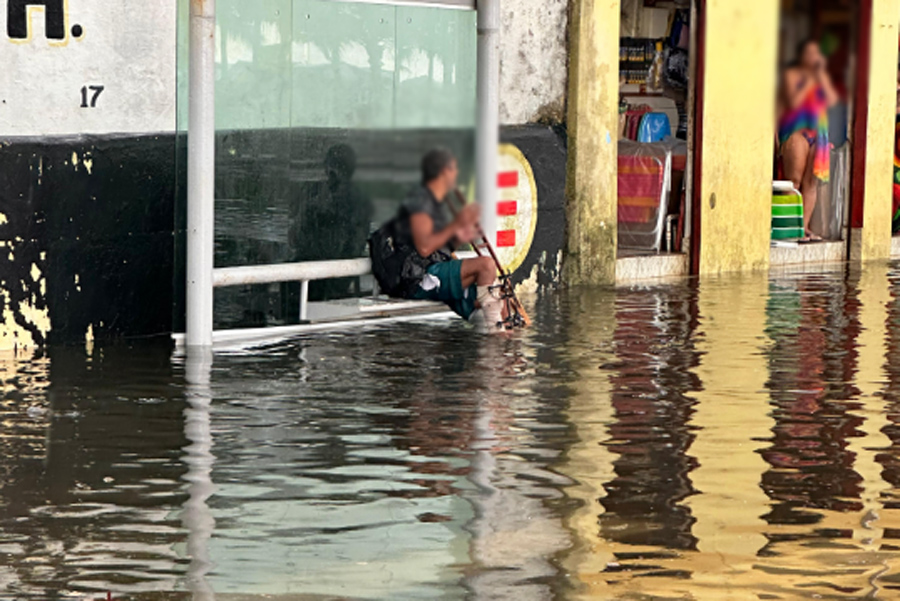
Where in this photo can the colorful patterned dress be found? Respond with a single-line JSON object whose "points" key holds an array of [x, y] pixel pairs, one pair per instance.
{"points": [[810, 118]]}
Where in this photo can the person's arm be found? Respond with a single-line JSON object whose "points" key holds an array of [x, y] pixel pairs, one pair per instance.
{"points": [[428, 241], [794, 92], [831, 95]]}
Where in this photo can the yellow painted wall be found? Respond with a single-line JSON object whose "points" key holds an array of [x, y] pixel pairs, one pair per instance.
{"points": [[738, 134], [876, 233], [592, 126]]}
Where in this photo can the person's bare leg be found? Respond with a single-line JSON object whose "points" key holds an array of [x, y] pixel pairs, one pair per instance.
{"points": [[810, 191], [795, 157], [483, 273], [480, 271]]}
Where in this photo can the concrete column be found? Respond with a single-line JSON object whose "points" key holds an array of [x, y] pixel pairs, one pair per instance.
{"points": [[871, 236], [741, 48], [592, 126]]}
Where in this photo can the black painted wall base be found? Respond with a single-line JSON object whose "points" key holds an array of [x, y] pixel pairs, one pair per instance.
{"points": [[103, 218], [95, 216]]}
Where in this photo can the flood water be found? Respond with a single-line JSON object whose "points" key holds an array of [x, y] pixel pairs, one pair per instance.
{"points": [[737, 438]]}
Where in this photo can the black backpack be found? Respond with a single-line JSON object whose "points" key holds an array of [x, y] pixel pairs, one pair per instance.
{"points": [[396, 264]]}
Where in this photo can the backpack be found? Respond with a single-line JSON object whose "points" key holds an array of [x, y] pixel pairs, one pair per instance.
{"points": [[396, 264]]}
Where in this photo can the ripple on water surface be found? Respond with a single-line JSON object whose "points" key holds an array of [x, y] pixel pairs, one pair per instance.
{"points": [[736, 437]]}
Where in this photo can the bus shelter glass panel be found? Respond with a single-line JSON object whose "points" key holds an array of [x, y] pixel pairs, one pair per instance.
{"points": [[323, 111]]}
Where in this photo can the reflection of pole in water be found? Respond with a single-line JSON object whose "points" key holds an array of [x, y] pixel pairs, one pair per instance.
{"points": [[512, 531], [199, 459]]}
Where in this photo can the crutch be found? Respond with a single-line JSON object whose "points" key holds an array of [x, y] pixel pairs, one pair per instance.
{"points": [[516, 315]]}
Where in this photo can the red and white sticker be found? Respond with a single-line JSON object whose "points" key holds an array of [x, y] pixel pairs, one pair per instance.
{"points": [[516, 207]]}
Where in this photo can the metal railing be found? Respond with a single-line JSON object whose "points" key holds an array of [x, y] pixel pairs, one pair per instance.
{"points": [[292, 272]]}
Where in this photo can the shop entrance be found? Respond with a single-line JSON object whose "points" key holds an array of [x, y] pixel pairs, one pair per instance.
{"points": [[657, 84], [813, 146]]}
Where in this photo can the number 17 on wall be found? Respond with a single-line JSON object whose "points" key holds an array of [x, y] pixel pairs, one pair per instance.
{"points": [[90, 91]]}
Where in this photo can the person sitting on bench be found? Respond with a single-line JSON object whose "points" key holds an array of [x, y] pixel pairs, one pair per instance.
{"points": [[412, 255]]}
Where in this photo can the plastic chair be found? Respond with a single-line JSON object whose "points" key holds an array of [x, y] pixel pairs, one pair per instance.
{"points": [[655, 127]]}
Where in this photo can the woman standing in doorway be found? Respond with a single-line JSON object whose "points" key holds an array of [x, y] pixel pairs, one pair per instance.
{"points": [[807, 94]]}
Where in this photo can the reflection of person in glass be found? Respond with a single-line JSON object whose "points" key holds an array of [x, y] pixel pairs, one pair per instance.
{"points": [[330, 220]]}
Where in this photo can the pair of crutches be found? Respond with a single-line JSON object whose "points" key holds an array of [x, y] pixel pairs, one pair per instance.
{"points": [[516, 315]]}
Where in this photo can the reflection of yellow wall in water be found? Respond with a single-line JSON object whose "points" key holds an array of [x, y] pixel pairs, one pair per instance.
{"points": [[588, 461], [738, 134], [876, 233], [732, 414], [874, 294], [798, 564], [733, 422], [732, 411], [26, 423]]}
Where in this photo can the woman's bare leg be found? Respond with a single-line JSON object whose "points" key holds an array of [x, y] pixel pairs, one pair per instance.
{"points": [[810, 191], [797, 155]]}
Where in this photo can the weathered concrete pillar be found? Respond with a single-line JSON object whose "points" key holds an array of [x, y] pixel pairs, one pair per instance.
{"points": [[592, 128], [873, 171], [738, 135]]}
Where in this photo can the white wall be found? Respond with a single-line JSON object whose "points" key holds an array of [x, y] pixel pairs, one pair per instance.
{"points": [[533, 54], [131, 51], [128, 48]]}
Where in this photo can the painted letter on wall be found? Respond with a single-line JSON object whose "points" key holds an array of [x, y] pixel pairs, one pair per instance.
{"points": [[80, 67]]}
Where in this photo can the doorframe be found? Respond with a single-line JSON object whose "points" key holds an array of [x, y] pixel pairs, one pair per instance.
{"points": [[860, 127], [696, 136]]}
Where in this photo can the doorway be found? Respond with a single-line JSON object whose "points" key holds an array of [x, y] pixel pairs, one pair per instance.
{"points": [[658, 50], [813, 154]]}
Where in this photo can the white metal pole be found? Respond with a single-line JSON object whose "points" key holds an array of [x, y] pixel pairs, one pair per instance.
{"points": [[487, 135], [201, 173], [304, 300]]}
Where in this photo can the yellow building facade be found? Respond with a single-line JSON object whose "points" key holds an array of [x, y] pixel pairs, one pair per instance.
{"points": [[735, 66]]}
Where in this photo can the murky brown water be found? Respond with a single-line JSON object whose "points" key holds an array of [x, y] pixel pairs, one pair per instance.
{"points": [[736, 439]]}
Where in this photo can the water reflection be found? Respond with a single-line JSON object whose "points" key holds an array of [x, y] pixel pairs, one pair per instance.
{"points": [[652, 383], [196, 517], [826, 382], [731, 419], [732, 438], [813, 325], [92, 474]]}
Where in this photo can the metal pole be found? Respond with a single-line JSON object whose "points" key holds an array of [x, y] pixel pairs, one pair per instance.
{"points": [[304, 300], [201, 173], [487, 135]]}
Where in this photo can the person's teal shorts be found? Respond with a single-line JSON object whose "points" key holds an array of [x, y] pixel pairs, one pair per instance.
{"points": [[450, 289]]}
